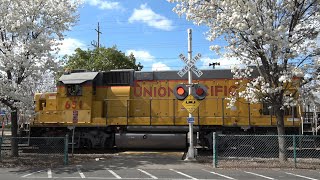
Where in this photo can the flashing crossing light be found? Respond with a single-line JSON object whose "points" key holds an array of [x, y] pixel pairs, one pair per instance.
{"points": [[181, 91], [199, 91]]}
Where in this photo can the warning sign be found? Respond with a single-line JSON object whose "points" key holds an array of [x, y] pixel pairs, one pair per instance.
{"points": [[190, 103]]}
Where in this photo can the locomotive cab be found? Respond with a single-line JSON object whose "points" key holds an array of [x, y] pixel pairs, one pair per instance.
{"points": [[76, 97], [72, 103]]}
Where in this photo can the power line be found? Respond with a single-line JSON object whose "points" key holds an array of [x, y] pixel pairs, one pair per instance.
{"points": [[129, 30], [126, 21], [82, 27]]}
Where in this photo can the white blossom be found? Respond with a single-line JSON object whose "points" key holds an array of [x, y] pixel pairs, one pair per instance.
{"points": [[29, 33], [275, 48]]}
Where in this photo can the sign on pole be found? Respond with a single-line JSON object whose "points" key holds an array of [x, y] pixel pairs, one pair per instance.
{"points": [[190, 119], [75, 116], [190, 65], [190, 103]]}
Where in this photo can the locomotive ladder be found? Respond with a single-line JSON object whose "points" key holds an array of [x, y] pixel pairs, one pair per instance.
{"points": [[311, 123], [26, 132]]}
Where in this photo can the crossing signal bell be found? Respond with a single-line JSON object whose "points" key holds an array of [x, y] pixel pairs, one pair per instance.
{"points": [[199, 91], [181, 91]]}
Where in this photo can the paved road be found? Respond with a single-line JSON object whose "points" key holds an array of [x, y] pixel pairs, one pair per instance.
{"points": [[81, 172], [147, 166]]}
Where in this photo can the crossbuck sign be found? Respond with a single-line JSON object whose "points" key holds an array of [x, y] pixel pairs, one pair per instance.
{"points": [[190, 65]]}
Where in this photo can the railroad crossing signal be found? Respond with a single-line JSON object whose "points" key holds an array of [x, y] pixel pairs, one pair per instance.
{"points": [[190, 103], [181, 91], [199, 91], [190, 65]]}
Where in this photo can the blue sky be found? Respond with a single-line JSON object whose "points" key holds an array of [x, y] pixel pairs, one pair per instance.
{"points": [[148, 28]]}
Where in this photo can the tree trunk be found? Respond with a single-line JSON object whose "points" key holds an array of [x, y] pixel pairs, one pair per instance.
{"points": [[281, 133], [14, 132]]}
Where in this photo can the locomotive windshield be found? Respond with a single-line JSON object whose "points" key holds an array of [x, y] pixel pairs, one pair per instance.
{"points": [[74, 90]]}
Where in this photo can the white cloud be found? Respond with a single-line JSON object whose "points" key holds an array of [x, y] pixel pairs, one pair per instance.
{"points": [[148, 16], [224, 62], [68, 46], [102, 4], [159, 66], [141, 55]]}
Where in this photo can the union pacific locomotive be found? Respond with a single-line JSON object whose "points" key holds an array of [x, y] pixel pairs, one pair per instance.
{"points": [[131, 109]]}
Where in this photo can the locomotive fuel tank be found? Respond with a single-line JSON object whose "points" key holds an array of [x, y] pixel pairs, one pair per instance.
{"points": [[150, 141]]}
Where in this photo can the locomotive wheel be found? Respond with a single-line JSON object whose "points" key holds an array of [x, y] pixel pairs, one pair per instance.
{"points": [[86, 144], [108, 143]]}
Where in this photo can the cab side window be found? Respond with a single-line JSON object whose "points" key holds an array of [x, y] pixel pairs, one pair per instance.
{"points": [[42, 104], [74, 90], [267, 109]]}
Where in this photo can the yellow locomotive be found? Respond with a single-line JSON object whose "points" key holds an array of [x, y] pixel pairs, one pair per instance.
{"points": [[130, 109]]}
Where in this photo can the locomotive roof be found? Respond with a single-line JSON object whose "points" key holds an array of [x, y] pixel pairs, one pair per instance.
{"points": [[77, 78], [171, 75], [127, 77]]}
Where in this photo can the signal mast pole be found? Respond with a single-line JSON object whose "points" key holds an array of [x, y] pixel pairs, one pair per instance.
{"points": [[190, 154]]}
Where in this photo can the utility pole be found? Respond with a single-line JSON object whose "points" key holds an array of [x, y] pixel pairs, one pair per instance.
{"points": [[97, 44]]}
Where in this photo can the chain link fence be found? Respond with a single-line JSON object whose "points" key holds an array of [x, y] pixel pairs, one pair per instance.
{"points": [[34, 151], [262, 151]]}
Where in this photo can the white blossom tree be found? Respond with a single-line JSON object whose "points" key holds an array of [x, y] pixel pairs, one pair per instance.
{"points": [[29, 34], [276, 38]]}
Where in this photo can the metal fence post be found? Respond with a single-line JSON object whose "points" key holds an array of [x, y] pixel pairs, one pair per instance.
{"points": [[0, 148], [66, 145], [294, 151], [214, 149]]}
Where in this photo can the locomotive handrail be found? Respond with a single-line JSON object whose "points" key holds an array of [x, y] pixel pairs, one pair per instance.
{"points": [[249, 114], [222, 108], [148, 112]]}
